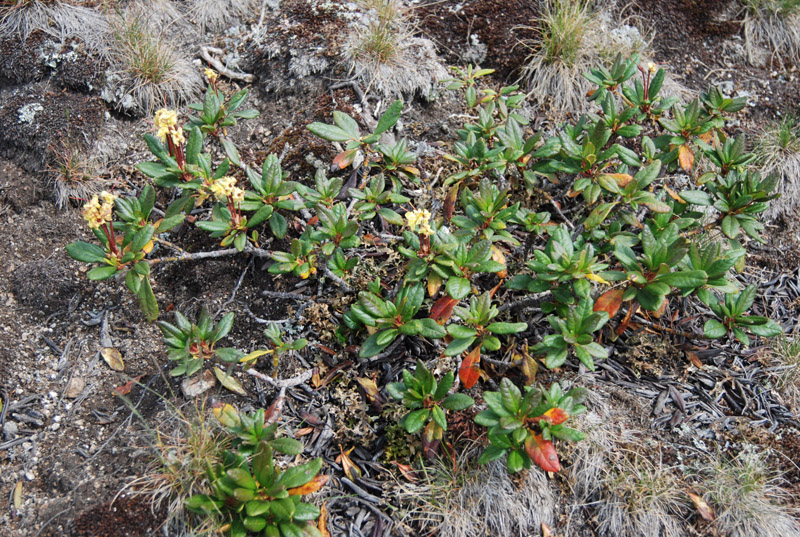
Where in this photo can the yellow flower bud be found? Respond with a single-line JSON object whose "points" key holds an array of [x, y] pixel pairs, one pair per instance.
{"points": [[419, 221], [652, 67], [211, 75]]}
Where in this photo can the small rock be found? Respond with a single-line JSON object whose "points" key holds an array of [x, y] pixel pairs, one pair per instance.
{"points": [[10, 430], [75, 387], [198, 384]]}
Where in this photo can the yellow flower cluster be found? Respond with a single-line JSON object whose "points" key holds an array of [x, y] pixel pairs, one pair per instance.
{"points": [[419, 221], [224, 187], [652, 67], [167, 122], [96, 213], [211, 75]]}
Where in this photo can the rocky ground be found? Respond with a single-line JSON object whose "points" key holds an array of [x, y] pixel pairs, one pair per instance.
{"points": [[70, 444]]}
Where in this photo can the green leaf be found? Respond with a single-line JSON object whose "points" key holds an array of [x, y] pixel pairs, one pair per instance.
{"points": [[458, 345], [86, 252], [439, 417], [301, 474], [714, 329], [491, 453], [514, 462], [768, 329], [147, 300], [389, 118], [371, 347], [687, 279], [507, 328], [730, 226], [223, 327], [458, 288], [329, 132], [598, 215], [458, 401], [101, 273], [231, 151], [414, 421]]}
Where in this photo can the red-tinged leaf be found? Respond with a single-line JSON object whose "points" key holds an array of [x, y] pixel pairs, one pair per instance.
{"points": [[407, 471], [609, 302], [661, 309], [345, 158], [570, 194], [126, 388], [314, 219], [312, 486], [326, 350], [627, 320], [494, 289], [274, 411], [311, 419], [546, 531], [694, 359], [703, 509], [685, 158], [369, 238], [543, 453], [556, 416], [442, 309], [450, 202], [469, 372], [322, 521]]}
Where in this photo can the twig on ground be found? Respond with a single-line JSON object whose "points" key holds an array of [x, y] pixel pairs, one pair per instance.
{"points": [[531, 300], [340, 282], [235, 288], [258, 252], [361, 493], [205, 53], [287, 383]]}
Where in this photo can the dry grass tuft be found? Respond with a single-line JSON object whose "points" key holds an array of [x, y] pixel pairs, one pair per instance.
{"points": [[642, 499], [73, 174], [216, 15], [387, 57], [786, 353], [185, 445], [57, 19], [747, 497], [574, 37], [778, 148], [773, 25], [152, 69], [480, 500]]}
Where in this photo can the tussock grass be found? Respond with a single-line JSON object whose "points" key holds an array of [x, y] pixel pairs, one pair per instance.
{"points": [[383, 52], [748, 498], [642, 498], [215, 15], [153, 69], [479, 500], [778, 149], [786, 354], [185, 444], [57, 19], [73, 174], [573, 37], [773, 25]]}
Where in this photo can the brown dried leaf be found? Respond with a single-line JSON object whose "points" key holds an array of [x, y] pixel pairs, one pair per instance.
{"points": [[126, 388], [322, 522], [312, 486], [694, 359], [350, 469], [703, 509], [18, 495], [407, 471], [113, 358], [546, 531]]}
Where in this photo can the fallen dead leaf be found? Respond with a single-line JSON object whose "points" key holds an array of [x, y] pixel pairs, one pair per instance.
{"points": [[349, 467], [126, 388], [113, 358], [18, 495], [546, 531], [407, 471], [703, 509], [229, 382]]}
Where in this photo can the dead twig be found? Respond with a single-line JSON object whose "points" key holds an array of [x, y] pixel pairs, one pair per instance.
{"points": [[287, 383], [258, 252], [205, 53]]}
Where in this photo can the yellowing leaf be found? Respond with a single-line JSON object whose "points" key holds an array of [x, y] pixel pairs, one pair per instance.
{"points": [[253, 356], [18, 495], [227, 415], [229, 382], [434, 283], [596, 278], [113, 358], [322, 521], [609, 302], [497, 255], [685, 158], [312, 486], [370, 388], [147, 248]]}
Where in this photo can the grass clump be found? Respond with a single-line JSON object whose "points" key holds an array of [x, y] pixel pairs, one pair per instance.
{"points": [[772, 31], [786, 353], [479, 500], [74, 176], [747, 497], [383, 52], [573, 36], [59, 20], [778, 148], [152, 68]]}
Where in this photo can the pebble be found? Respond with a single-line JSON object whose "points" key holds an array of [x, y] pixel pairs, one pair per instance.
{"points": [[10, 429]]}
